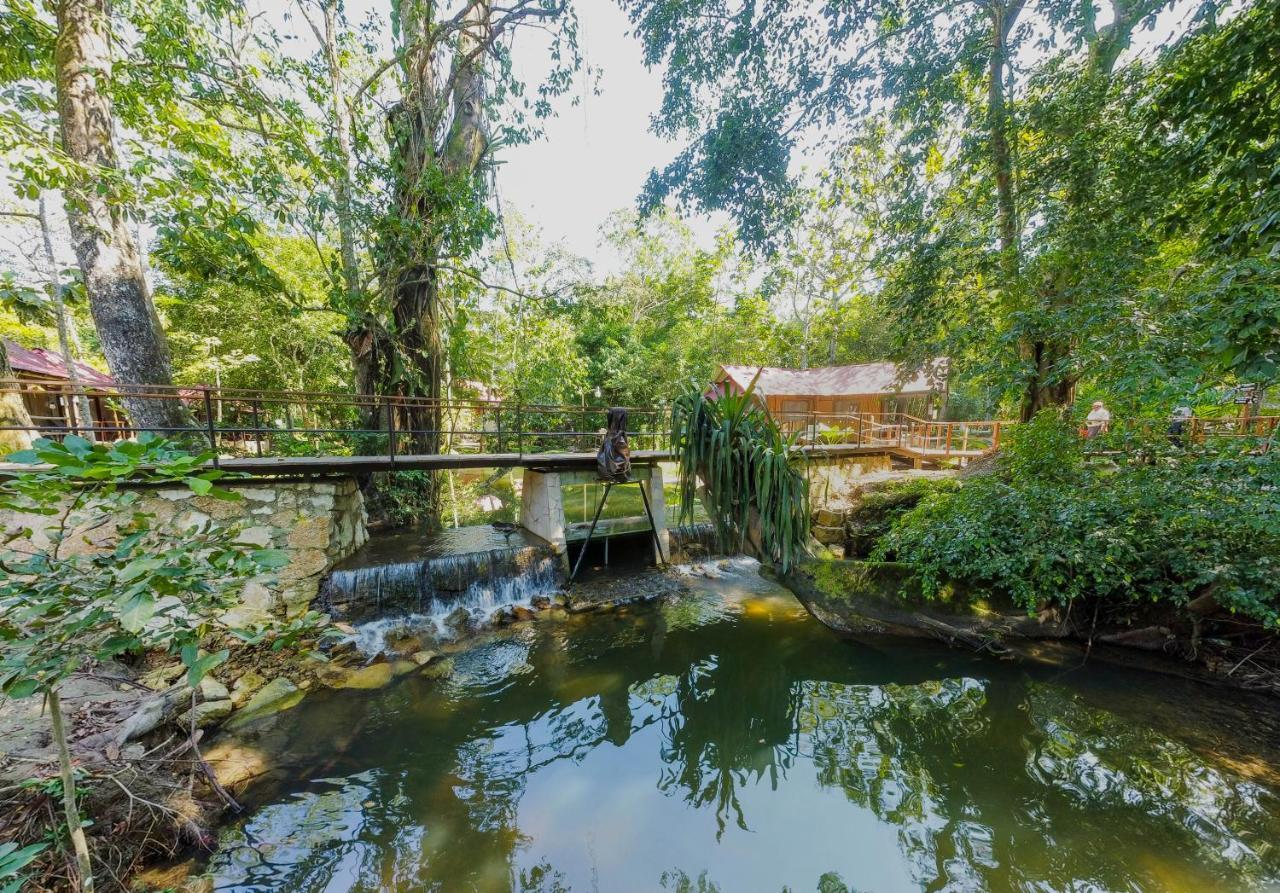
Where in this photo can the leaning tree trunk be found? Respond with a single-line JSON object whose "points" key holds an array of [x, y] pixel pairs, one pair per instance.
{"points": [[128, 327], [81, 411]]}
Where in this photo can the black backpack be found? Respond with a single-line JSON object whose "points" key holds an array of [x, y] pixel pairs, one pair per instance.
{"points": [[614, 459]]}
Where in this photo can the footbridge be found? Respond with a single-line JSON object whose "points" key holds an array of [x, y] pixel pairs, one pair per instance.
{"points": [[303, 433]]}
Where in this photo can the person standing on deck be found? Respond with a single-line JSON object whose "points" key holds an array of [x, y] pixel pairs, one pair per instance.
{"points": [[1178, 427], [1098, 421]]}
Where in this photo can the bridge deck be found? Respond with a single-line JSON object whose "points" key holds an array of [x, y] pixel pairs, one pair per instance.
{"points": [[291, 466], [320, 466]]}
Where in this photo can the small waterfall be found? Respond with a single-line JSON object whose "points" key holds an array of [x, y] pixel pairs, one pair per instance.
{"points": [[693, 542], [433, 584]]}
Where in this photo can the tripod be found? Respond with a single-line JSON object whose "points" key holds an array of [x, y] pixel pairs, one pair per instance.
{"points": [[653, 527]]}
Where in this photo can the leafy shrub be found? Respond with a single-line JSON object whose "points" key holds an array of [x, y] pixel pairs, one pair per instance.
{"points": [[94, 576], [877, 510], [1163, 526]]}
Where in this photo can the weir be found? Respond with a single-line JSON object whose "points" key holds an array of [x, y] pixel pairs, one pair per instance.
{"points": [[430, 577]]}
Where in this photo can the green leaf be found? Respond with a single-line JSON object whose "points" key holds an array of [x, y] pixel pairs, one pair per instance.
{"points": [[136, 568], [199, 486], [270, 558], [198, 666], [136, 609], [21, 688], [77, 445]]}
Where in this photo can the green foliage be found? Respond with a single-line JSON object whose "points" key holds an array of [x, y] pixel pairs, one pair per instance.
{"points": [[1050, 527], [94, 576], [731, 454], [224, 328], [12, 860], [878, 510], [403, 498]]}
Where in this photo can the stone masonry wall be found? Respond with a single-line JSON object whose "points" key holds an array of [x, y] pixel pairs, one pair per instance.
{"points": [[318, 523]]}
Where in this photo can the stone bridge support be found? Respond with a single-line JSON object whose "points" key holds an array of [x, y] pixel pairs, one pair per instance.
{"points": [[542, 504]]}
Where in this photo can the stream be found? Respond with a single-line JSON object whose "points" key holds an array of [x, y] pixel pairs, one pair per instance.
{"points": [[723, 740]]}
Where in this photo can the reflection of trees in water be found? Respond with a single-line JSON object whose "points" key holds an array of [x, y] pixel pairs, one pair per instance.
{"points": [[1103, 762], [353, 829], [731, 725], [1002, 784], [678, 881], [1021, 785], [885, 747]]}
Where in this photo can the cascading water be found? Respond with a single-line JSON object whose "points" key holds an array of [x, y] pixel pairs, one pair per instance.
{"points": [[695, 541], [431, 585]]}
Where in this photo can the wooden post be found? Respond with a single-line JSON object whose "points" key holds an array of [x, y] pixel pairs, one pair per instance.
{"points": [[257, 428]]}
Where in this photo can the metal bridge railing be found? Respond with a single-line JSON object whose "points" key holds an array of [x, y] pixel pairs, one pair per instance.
{"points": [[242, 423]]}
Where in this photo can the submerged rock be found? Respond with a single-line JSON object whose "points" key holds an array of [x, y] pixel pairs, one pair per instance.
{"points": [[458, 619], [438, 669], [372, 676]]}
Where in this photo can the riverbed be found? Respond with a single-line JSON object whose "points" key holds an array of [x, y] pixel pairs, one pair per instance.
{"points": [[725, 741]]}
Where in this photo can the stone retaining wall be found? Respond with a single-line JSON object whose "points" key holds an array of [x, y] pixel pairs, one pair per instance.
{"points": [[318, 523]]}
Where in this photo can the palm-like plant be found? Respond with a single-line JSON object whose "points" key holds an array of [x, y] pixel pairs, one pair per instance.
{"points": [[731, 454]]}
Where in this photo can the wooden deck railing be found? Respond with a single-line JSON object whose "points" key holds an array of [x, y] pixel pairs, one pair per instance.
{"points": [[923, 437]]}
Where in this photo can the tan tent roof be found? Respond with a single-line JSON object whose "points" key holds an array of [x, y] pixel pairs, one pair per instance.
{"points": [[839, 381]]}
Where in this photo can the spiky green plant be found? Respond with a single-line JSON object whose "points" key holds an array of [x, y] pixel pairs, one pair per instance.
{"points": [[731, 454]]}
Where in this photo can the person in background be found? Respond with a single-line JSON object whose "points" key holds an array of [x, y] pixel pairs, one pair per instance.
{"points": [[1098, 421], [1178, 427]]}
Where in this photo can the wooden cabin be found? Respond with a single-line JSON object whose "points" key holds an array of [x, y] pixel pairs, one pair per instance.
{"points": [[46, 390], [862, 389]]}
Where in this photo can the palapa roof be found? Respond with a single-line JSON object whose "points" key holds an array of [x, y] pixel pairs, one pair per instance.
{"points": [[838, 381], [49, 364]]}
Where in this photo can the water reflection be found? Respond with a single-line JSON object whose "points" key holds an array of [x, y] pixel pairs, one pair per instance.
{"points": [[725, 742]]}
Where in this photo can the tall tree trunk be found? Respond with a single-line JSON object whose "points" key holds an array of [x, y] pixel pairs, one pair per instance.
{"points": [[1004, 14], [15, 421], [79, 399], [128, 327], [341, 120], [407, 359]]}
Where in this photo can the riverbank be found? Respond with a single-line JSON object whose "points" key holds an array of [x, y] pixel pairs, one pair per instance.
{"points": [[1204, 643], [160, 765]]}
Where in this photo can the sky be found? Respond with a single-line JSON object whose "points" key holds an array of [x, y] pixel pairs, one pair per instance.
{"points": [[595, 155]]}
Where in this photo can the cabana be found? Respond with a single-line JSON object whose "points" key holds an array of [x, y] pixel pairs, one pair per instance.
{"points": [[796, 395]]}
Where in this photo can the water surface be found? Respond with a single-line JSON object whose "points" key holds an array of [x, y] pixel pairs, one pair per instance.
{"points": [[727, 742]]}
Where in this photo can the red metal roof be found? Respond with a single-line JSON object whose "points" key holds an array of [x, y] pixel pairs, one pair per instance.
{"points": [[839, 381], [49, 364]]}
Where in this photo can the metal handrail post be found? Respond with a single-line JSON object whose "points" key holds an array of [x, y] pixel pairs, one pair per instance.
{"points": [[208, 421], [391, 431], [257, 429]]}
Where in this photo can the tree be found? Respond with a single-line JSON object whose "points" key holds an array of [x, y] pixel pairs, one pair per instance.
{"points": [[14, 418], [930, 90], [128, 327]]}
